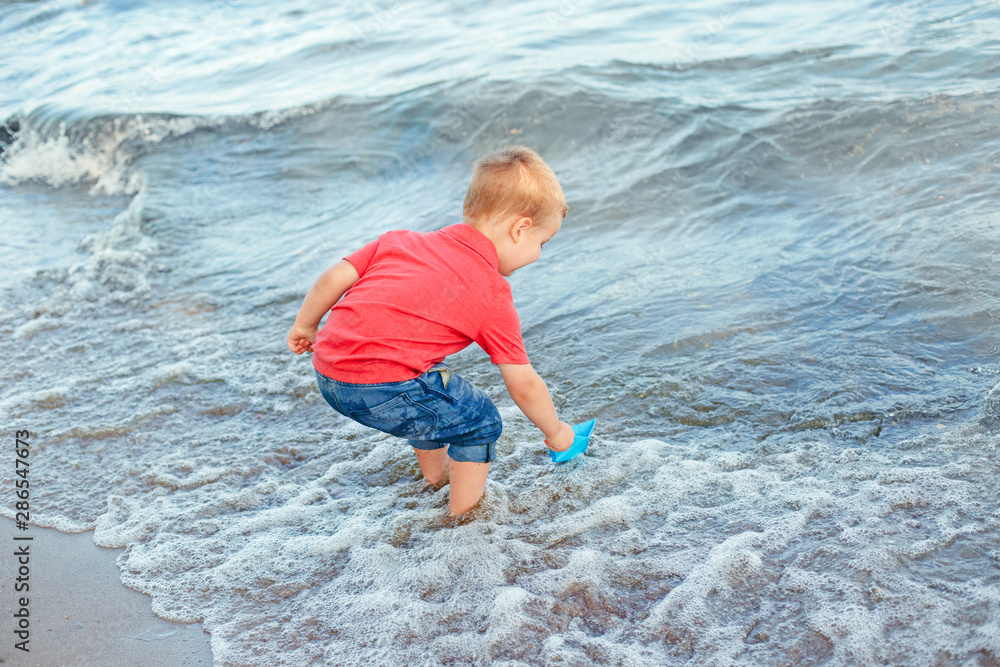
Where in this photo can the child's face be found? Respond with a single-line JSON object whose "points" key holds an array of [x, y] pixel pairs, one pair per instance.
{"points": [[526, 244]]}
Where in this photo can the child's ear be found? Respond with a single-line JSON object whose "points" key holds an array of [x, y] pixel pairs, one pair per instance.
{"points": [[520, 228]]}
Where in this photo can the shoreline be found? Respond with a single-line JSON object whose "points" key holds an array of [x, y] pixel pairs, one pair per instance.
{"points": [[79, 611]]}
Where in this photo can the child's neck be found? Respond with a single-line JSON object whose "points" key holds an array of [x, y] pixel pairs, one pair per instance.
{"points": [[494, 230]]}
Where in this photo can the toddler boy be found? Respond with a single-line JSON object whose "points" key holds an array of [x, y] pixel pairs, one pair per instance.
{"points": [[404, 302]]}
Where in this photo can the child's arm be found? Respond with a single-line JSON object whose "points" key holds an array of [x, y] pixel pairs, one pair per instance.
{"points": [[532, 396], [325, 292]]}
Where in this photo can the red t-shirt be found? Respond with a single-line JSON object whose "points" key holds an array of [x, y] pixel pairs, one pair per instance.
{"points": [[420, 297]]}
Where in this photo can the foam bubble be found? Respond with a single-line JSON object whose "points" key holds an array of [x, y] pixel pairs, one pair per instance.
{"points": [[991, 409], [35, 326]]}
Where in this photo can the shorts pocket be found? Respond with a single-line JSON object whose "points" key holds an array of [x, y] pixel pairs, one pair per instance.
{"points": [[432, 383], [399, 416]]}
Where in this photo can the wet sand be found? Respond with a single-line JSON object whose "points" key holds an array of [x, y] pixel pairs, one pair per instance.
{"points": [[81, 613]]}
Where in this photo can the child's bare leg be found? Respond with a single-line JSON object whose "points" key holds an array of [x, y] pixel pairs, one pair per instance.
{"points": [[433, 463], [467, 483]]}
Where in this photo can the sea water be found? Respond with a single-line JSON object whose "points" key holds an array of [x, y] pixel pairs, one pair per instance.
{"points": [[776, 290]]}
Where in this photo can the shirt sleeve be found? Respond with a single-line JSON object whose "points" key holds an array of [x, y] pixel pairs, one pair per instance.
{"points": [[360, 259], [500, 334]]}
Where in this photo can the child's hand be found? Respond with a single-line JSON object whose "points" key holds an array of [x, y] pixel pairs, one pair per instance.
{"points": [[563, 440], [300, 339]]}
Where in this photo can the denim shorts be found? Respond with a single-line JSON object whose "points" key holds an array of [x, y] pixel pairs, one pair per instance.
{"points": [[433, 410]]}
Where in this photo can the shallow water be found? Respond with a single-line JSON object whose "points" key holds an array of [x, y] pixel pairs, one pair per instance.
{"points": [[776, 292]]}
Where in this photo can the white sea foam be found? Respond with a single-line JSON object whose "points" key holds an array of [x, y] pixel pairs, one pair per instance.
{"points": [[120, 260], [639, 553], [100, 153], [35, 326]]}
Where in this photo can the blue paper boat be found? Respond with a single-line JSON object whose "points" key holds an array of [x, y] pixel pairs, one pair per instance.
{"points": [[579, 445]]}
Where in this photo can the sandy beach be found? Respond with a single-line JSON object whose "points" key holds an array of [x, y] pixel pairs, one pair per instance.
{"points": [[80, 612]]}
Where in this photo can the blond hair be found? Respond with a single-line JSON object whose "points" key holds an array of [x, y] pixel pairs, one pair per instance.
{"points": [[513, 179]]}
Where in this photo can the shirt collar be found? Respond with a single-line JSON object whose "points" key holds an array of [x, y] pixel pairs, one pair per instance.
{"points": [[472, 238]]}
